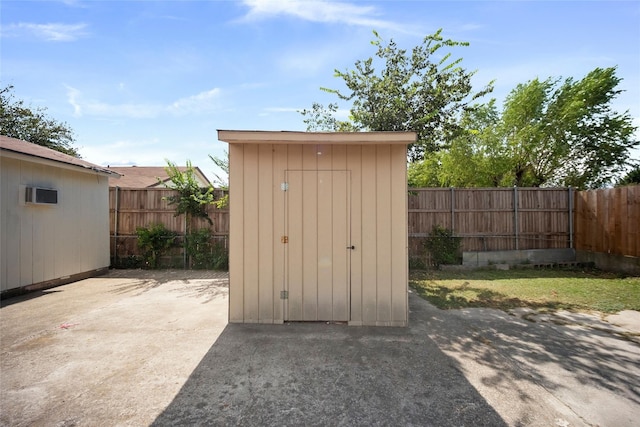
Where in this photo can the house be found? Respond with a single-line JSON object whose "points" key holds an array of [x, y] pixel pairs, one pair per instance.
{"points": [[318, 227], [149, 176], [54, 225]]}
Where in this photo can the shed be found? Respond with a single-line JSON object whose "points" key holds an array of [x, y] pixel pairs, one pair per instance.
{"points": [[54, 224], [318, 227]]}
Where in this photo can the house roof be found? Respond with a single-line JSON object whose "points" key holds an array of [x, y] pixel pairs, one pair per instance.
{"points": [[149, 176], [312, 138], [23, 149]]}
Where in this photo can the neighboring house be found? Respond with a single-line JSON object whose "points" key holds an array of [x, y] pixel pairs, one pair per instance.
{"points": [[54, 224], [149, 176]]}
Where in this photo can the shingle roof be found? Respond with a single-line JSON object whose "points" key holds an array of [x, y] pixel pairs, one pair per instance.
{"points": [[148, 176], [13, 145]]}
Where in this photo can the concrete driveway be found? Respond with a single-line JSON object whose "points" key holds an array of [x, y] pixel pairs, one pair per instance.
{"points": [[141, 348]]}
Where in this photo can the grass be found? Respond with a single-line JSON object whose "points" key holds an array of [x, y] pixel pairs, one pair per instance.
{"points": [[574, 290]]}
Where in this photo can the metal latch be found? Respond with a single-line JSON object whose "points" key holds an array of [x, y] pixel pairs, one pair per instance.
{"points": [[284, 294], [284, 186], [284, 239]]}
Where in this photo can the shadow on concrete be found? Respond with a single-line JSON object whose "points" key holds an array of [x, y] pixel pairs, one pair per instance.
{"points": [[327, 374], [207, 288], [562, 358], [26, 297]]}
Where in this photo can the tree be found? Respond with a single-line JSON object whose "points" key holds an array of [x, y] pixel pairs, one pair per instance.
{"points": [[190, 200], [566, 133], [549, 133], [320, 118], [631, 177], [222, 163], [33, 125], [422, 91], [474, 159]]}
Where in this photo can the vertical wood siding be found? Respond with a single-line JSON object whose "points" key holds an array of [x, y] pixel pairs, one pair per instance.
{"points": [[42, 243], [365, 179], [608, 221]]}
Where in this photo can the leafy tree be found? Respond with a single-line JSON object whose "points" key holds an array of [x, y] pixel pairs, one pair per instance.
{"points": [[33, 125], [423, 91], [474, 159], [566, 133], [632, 177], [320, 118], [549, 133], [222, 163], [190, 200]]}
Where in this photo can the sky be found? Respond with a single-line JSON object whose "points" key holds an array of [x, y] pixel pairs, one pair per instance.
{"points": [[140, 82]]}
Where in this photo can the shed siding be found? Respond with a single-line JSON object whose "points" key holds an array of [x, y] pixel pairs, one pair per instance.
{"points": [[261, 265], [45, 243]]}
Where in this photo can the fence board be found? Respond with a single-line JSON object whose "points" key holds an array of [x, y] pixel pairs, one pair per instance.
{"points": [[608, 220], [603, 220], [491, 219]]}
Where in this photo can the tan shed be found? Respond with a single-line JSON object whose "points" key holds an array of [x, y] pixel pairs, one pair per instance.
{"points": [[318, 227]]}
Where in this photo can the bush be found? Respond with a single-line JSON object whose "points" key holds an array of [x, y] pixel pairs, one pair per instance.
{"points": [[154, 241], [204, 253], [443, 246]]}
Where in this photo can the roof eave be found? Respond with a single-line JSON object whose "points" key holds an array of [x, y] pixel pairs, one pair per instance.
{"points": [[311, 138]]}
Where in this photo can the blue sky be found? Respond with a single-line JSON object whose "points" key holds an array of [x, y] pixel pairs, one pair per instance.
{"points": [[144, 81]]}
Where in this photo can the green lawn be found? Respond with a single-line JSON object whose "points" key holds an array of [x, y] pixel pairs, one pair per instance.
{"points": [[574, 290]]}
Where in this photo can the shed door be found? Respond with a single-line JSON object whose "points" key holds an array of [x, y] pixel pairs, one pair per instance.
{"points": [[318, 250]]}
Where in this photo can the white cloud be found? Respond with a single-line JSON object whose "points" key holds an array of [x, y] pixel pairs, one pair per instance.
{"points": [[203, 102], [126, 153], [320, 11], [50, 32]]}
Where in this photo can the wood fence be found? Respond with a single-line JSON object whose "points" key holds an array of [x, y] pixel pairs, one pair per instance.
{"points": [[487, 219], [493, 219], [608, 221], [130, 208]]}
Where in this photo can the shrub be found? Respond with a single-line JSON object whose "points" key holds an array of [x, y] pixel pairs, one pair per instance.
{"points": [[154, 241], [443, 246], [204, 253]]}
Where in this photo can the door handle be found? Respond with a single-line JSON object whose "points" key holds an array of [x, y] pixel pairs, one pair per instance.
{"points": [[351, 247]]}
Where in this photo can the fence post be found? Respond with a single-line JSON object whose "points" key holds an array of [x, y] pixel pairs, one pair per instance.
{"points": [[115, 226], [570, 217], [515, 214], [452, 211]]}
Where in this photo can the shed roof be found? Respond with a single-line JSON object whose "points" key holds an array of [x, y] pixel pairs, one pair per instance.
{"points": [[313, 138], [148, 176], [19, 148]]}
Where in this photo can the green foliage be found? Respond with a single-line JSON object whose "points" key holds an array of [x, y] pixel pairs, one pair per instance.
{"points": [[321, 119], [556, 289], [191, 200], [222, 163], [423, 91], [205, 253], [129, 261], [632, 177], [33, 125], [154, 241], [549, 133], [443, 246], [417, 263]]}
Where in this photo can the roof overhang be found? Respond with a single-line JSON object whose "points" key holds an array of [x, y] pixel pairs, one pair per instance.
{"points": [[314, 138], [10, 154]]}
